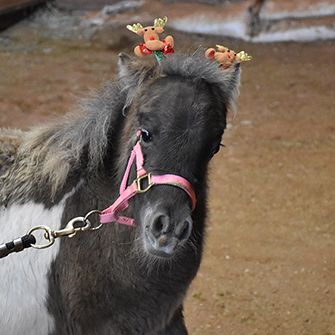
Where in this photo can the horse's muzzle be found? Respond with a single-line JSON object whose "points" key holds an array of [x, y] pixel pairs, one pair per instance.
{"points": [[163, 235]]}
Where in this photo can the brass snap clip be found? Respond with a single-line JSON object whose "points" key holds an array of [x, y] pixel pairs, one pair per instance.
{"points": [[70, 230]]}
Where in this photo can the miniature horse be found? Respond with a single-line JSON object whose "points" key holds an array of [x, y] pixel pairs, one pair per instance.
{"points": [[119, 280]]}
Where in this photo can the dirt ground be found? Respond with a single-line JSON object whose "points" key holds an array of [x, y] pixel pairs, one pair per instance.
{"points": [[269, 264]]}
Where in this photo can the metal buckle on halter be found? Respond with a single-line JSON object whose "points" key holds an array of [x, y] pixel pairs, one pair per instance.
{"points": [[146, 179]]}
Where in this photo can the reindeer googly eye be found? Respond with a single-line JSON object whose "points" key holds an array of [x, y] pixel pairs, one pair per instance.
{"points": [[152, 28], [145, 29]]}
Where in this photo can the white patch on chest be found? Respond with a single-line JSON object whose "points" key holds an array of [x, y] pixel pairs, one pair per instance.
{"points": [[24, 275]]}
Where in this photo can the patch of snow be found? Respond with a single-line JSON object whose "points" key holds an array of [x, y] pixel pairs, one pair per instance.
{"points": [[115, 9], [56, 23], [322, 9], [121, 7], [299, 35], [238, 29], [202, 24], [98, 20]]}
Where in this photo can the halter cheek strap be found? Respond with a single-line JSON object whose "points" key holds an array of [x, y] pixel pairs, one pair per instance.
{"points": [[143, 182]]}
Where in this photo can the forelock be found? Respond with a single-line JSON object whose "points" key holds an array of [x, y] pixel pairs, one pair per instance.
{"points": [[197, 67], [193, 67]]}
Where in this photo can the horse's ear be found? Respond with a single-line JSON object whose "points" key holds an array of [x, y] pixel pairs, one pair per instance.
{"points": [[124, 65], [129, 70], [133, 72]]}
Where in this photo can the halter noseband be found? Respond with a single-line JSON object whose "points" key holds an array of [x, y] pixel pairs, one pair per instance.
{"points": [[143, 182]]}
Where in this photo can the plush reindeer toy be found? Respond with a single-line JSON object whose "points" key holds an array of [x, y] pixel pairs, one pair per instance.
{"points": [[152, 43], [225, 57]]}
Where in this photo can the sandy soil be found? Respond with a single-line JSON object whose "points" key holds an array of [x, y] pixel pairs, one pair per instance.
{"points": [[269, 264]]}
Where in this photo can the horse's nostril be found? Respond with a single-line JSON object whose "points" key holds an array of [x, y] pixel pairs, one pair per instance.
{"points": [[160, 225], [183, 230]]}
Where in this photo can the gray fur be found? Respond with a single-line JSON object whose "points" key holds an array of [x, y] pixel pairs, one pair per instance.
{"points": [[10, 140]]}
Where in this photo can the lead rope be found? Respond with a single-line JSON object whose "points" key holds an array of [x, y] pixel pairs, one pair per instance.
{"points": [[17, 245], [74, 226]]}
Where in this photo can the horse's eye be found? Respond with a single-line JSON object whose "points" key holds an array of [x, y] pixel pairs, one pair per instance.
{"points": [[216, 149], [146, 136]]}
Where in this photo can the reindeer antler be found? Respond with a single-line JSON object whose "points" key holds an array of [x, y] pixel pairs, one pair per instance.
{"points": [[221, 47], [135, 27], [243, 56], [160, 22]]}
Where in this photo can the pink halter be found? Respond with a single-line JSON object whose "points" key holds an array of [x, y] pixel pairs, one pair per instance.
{"points": [[111, 214]]}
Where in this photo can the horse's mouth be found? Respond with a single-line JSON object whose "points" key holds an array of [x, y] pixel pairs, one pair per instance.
{"points": [[164, 247]]}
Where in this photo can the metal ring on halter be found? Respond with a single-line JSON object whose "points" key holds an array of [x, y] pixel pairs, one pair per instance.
{"points": [[48, 235], [88, 215]]}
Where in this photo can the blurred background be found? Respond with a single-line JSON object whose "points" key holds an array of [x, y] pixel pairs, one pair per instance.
{"points": [[269, 264]]}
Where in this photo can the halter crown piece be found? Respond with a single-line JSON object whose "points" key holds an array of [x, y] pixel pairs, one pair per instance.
{"points": [[143, 182]]}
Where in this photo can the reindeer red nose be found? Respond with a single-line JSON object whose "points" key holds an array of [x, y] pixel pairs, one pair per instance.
{"points": [[152, 38]]}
